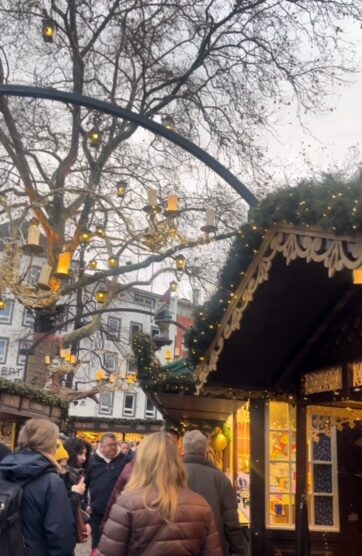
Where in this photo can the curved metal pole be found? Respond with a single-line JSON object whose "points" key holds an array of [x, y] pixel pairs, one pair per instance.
{"points": [[146, 123]]}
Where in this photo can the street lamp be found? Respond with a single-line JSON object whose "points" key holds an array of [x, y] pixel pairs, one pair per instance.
{"points": [[49, 30]]}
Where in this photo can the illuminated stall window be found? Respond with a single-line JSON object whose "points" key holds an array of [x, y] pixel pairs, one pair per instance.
{"points": [[281, 465], [243, 462], [322, 472]]}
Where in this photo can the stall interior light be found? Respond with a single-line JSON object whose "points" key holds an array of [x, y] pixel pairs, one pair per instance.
{"points": [[357, 276]]}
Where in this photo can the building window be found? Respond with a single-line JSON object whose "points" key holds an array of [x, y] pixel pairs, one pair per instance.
{"points": [[4, 344], [22, 357], [144, 300], [131, 367], [114, 327], [106, 403], [281, 465], [322, 472], [110, 361], [6, 315], [28, 318], [150, 409], [129, 405], [135, 328]]}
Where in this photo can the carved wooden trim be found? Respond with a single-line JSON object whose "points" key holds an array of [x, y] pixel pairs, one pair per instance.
{"points": [[335, 253]]}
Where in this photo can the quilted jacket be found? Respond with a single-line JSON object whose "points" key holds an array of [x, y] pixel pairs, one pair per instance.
{"points": [[133, 530]]}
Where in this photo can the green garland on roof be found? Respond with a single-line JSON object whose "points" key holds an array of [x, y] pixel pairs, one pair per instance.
{"points": [[332, 204], [21, 389], [155, 378], [113, 421]]}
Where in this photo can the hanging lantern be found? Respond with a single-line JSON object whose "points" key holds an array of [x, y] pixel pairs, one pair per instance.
{"points": [[210, 226], [64, 354], [73, 359], [85, 236], [32, 246], [55, 284], [112, 379], [44, 277], [101, 296], [3, 304], [100, 231], [152, 201], [95, 137], [220, 442], [173, 286], [92, 265], [113, 262], [64, 264], [172, 205], [122, 188], [49, 30], [101, 375], [47, 360], [180, 262], [168, 122], [357, 276], [168, 355]]}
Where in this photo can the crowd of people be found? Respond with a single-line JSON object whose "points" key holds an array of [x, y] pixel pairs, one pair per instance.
{"points": [[148, 502]]}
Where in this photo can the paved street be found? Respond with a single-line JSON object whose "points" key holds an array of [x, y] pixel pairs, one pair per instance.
{"points": [[83, 549]]}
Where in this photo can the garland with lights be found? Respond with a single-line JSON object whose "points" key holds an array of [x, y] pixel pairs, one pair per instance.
{"points": [[207, 427], [331, 204], [154, 377], [68, 426], [34, 394]]}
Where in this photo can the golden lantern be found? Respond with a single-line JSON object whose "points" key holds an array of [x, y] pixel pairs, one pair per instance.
{"points": [[64, 354], [210, 226], [122, 188], [47, 360], [357, 276], [55, 284], [3, 304], [32, 246], [44, 277], [168, 122], [101, 296], [85, 236], [220, 442], [100, 231], [95, 137], [112, 379], [172, 205], [168, 355], [180, 262], [64, 264], [93, 264], [101, 375], [173, 286], [152, 201], [73, 359], [113, 262], [49, 30]]}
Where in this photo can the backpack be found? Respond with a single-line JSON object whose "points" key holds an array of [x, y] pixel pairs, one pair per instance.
{"points": [[11, 535]]}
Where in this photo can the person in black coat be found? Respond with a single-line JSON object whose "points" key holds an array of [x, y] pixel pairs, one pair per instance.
{"points": [[105, 466], [4, 451], [46, 514]]}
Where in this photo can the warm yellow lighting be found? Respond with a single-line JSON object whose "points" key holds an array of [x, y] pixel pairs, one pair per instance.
{"points": [[85, 236], [101, 375], [32, 246], [49, 30], [64, 264], [173, 286], [101, 296], [44, 277], [95, 137], [73, 359], [172, 205], [100, 231], [168, 122], [64, 353], [113, 262], [180, 262], [121, 188], [55, 284], [112, 379], [357, 276], [93, 264], [168, 355], [47, 360], [3, 304]]}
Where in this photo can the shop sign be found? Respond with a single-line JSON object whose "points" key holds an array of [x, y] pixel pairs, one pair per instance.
{"points": [[357, 374], [327, 380], [12, 371]]}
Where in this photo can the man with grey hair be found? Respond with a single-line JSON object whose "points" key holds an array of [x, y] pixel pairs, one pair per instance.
{"points": [[105, 466], [207, 480]]}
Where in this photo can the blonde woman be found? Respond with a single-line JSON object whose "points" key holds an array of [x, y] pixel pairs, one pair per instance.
{"points": [[46, 514], [156, 514]]}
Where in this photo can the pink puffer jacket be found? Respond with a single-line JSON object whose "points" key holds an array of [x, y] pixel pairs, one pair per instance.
{"points": [[133, 530]]}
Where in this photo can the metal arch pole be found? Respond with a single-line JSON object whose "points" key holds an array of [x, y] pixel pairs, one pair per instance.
{"points": [[146, 123]]}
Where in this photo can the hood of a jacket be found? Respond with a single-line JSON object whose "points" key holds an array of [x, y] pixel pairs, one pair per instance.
{"points": [[25, 465]]}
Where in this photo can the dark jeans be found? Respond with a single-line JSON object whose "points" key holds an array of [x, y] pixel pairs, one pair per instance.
{"points": [[95, 523]]}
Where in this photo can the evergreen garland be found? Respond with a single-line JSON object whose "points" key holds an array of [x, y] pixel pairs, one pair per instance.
{"points": [[21, 389], [332, 204]]}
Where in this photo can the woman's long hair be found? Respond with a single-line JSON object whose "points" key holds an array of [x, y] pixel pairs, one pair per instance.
{"points": [[75, 446], [158, 471]]}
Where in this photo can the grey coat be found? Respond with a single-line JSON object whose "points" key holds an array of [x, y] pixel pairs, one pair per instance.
{"points": [[215, 487]]}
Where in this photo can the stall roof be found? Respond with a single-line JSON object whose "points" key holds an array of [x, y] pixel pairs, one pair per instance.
{"points": [[296, 286], [177, 406]]}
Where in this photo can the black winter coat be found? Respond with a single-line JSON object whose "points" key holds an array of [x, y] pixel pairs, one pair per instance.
{"points": [[101, 478], [205, 479], [46, 514]]}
